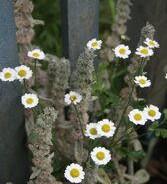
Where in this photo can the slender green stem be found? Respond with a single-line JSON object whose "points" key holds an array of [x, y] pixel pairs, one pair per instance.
{"points": [[125, 109], [35, 73], [34, 114], [138, 136], [142, 65], [25, 85], [122, 137], [89, 151], [40, 107], [140, 70]]}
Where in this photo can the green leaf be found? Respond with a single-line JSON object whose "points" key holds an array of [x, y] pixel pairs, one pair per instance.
{"points": [[159, 132], [153, 126], [136, 155], [133, 155], [163, 133]]}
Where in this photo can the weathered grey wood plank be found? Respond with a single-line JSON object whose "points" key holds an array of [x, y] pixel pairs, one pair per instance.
{"points": [[80, 20], [155, 12], [13, 152]]}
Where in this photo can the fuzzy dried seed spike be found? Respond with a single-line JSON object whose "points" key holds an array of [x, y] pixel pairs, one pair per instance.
{"points": [[40, 142], [119, 28], [58, 75], [82, 80]]}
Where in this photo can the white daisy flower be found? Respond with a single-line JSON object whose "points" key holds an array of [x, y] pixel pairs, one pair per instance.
{"points": [[151, 43], [23, 72], [91, 131], [94, 44], [106, 128], [72, 97], [100, 155], [144, 51], [166, 76], [152, 112], [137, 117], [142, 81], [122, 51], [8, 74], [29, 100], [36, 54], [74, 173]]}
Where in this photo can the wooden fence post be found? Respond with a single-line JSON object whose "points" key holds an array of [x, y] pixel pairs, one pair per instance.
{"points": [[155, 13], [80, 21], [13, 153]]}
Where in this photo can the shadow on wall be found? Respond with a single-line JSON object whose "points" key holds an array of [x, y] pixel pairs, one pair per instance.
{"points": [[155, 12]]}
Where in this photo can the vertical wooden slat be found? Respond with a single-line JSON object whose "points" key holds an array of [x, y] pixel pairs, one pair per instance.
{"points": [[13, 152], [154, 12], [80, 20]]}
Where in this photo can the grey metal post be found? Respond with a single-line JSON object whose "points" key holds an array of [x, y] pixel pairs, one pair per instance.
{"points": [[13, 153], [80, 20]]}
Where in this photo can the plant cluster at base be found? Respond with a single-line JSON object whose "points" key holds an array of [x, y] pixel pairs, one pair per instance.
{"points": [[105, 128]]}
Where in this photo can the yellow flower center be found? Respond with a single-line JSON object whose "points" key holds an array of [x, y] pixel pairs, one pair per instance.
{"points": [[36, 54], [137, 117], [151, 42], [100, 155], [142, 81], [93, 131], [106, 128], [29, 101], [74, 173], [151, 113], [22, 73], [73, 98], [122, 51], [94, 44], [144, 51], [7, 75]]}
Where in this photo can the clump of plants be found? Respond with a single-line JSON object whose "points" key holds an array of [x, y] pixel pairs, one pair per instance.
{"points": [[103, 147], [86, 125]]}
